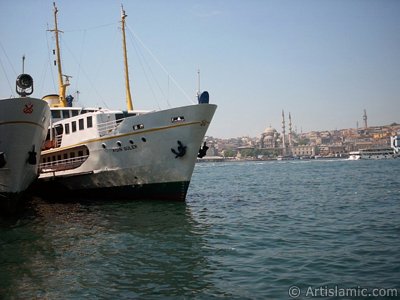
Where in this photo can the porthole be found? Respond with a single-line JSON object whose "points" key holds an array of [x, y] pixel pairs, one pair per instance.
{"points": [[104, 146], [144, 139]]}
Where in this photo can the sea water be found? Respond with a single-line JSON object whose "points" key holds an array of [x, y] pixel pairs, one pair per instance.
{"points": [[248, 230]]}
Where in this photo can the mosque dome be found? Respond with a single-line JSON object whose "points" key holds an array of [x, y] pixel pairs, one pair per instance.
{"points": [[269, 131]]}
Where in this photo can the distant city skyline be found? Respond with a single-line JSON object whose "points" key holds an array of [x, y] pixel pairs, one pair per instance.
{"points": [[294, 128], [362, 123], [322, 61]]}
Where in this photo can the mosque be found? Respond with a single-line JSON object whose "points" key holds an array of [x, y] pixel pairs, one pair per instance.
{"points": [[269, 138], [282, 144]]}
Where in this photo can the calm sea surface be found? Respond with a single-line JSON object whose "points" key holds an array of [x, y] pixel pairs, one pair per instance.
{"points": [[249, 230]]}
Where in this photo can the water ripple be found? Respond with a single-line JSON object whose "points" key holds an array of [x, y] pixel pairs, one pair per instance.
{"points": [[247, 231]]}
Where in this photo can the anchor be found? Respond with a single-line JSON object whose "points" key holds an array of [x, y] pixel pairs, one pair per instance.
{"points": [[2, 159], [203, 151], [32, 156], [181, 150]]}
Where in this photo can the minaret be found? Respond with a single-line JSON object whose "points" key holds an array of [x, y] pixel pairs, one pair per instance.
{"points": [[290, 132], [283, 134], [365, 119]]}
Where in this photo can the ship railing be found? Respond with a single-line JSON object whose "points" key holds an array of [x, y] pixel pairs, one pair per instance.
{"points": [[108, 127], [62, 164]]}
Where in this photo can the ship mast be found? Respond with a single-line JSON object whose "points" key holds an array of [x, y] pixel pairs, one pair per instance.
{"points": [[61, 85], [129, 105], [198, 82]]}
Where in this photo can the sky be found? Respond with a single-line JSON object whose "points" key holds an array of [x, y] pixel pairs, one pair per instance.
{"points": [[324, 61]]}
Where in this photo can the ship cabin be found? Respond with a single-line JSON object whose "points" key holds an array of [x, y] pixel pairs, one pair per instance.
{"points": [[71, 125], [64, 146]]}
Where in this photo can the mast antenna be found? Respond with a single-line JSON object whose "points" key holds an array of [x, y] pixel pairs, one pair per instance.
{"points": [[23, 64], [62, 87], [198, 83], [129, 105]]}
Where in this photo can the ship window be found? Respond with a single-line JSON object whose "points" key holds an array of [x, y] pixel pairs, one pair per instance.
{"points": [[67, 128], [65, 114], [55, 114], [59, 129], [80, 153], [74, 113], [178, 119], [72, 155], [59, 157], [81, 126], [65, 156], [138, 126], [89, 122], [73, 126]]}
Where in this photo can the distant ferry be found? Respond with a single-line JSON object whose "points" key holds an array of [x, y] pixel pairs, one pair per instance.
{"points": [[285, 157], [378, 153]]}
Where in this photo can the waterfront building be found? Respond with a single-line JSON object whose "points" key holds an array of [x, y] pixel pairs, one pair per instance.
{"points": [[305, 150]]}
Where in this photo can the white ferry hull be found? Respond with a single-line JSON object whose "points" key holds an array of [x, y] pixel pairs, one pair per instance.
{"points": [[378, 157], [139, 164], [374, 154], [23, 128]]}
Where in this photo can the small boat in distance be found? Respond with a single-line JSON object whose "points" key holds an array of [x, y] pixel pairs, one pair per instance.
{"points": [[129, 154], [378, 153], [23, 128]]}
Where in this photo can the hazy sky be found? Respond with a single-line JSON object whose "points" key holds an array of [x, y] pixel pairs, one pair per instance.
{"points": [[323, 61]]}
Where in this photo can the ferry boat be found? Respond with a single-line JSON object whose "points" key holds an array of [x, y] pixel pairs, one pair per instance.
{"points": [[378, 153], [128, 154], [24, 123]]}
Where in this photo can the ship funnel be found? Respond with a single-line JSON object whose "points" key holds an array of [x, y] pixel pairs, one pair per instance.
{"points": [[204, 98]]}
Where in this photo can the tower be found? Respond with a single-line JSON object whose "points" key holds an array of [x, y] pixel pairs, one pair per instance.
{"points": [[365, 118]]}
